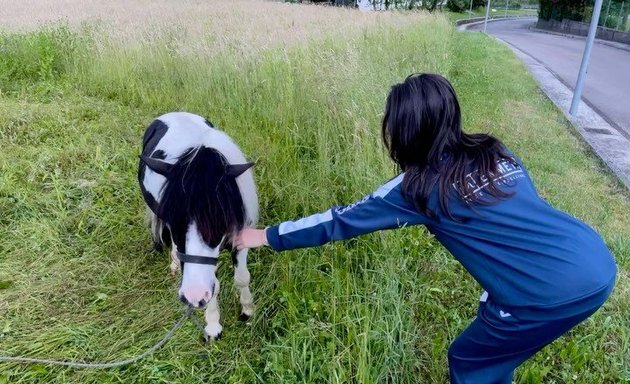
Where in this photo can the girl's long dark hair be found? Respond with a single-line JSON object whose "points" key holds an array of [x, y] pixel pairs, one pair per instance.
{"points": [[422, 131]]}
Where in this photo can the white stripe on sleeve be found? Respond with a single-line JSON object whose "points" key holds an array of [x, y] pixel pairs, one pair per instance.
{"points": [[386, 188], [307, 222]]}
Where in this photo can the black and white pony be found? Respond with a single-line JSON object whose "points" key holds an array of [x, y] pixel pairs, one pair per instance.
{"points": [[200, 192]]}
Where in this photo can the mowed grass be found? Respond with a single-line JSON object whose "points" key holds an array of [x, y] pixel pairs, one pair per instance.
{"points": [[79, 280]]}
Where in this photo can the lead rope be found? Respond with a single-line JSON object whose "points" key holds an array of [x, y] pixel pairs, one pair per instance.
{"points": [[169, 335]]}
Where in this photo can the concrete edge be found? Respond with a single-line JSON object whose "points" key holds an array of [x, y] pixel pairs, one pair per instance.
{"points": [[465, 26], [613, 44], [477, 20], [605, 140]]}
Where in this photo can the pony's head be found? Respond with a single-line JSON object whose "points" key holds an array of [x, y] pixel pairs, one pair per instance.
{"points": [[201, 205]]}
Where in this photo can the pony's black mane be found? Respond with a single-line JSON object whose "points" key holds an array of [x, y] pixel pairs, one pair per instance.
{"points": [[198, 189]]}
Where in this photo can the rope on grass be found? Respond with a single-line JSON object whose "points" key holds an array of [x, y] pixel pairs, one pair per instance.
{"points": [[158, 345]]}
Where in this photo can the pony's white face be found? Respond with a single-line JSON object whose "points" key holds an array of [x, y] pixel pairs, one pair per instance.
{"points": [[199, 284]]}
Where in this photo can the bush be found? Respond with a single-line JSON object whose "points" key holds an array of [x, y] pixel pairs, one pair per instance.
{"points": [[41, 55]]}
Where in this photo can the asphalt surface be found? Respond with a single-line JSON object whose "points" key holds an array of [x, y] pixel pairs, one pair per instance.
{"points": [[607, 87]]}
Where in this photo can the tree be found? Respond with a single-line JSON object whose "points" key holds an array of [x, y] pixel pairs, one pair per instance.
{"points": [[562, 9], [456, 5]]}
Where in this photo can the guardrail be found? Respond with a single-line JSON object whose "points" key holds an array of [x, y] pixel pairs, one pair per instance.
{"points": [[471, 20], [577, 28]]}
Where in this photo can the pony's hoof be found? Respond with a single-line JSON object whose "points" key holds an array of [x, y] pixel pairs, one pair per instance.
{"points": [[244, 317], [214, 332], [207, 338]]}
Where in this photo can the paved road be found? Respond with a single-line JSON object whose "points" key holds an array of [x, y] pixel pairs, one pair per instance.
{"points": [[607, 86]]}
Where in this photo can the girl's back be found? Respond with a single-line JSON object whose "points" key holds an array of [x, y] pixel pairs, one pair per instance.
{"points": [[523, 251]]}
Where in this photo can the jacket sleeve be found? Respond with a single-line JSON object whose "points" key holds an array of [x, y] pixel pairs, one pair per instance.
{"points": [[383, 209]]}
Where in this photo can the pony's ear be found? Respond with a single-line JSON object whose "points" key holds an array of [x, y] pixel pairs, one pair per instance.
{"points": [[236, 170], [157, 166]]}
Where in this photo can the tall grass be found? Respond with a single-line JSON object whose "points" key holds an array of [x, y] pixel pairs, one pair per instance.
{"points": [[79, 280]]}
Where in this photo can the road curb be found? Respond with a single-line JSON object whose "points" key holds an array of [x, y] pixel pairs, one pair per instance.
{"points": [[611, 146]]}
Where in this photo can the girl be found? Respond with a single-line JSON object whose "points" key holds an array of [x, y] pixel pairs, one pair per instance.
{"points": [[542, 270]]}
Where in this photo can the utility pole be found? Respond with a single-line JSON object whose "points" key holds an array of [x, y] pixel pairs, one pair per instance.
{"points": [[620, 15], [485, 22], [579, 86], [507, 2]]}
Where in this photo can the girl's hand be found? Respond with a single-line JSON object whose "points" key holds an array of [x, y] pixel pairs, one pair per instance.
{"points": [[250, 238]]}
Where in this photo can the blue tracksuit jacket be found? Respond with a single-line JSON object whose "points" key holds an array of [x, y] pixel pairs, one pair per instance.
{"points": [[521, 250]]}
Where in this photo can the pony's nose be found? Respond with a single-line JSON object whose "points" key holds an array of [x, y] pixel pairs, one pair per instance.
{"points": [[197, 302]]}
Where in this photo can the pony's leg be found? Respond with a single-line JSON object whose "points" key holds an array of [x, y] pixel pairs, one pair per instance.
{"points": [[159, 233], [213, 326], [175, 264], [241, 281], [155, 226]]}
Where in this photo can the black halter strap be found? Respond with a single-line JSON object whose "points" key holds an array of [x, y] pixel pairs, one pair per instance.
{"points": [[208, 260]]}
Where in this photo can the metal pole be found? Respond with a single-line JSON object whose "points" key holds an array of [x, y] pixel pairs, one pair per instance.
{"points": [[579, 86], [607, 10], [507, 2], [620, 15], [470, 10], [485, 22]]}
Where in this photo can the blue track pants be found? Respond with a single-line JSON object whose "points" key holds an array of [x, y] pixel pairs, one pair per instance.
{"points": [[499, 340]]}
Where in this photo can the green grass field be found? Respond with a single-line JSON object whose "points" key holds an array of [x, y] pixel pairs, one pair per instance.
{"points": [[78, 279]]}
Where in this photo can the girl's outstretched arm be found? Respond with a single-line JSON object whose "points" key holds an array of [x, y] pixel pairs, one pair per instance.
{"points": [[384, 209]]}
